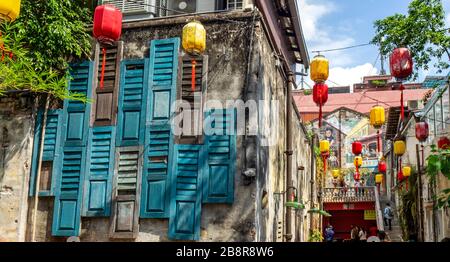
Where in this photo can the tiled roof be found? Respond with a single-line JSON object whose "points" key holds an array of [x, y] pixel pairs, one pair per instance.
{"points": [[360, 102]]}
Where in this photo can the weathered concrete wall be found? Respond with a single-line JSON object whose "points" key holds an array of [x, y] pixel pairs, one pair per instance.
{"points": [[16, 144]]}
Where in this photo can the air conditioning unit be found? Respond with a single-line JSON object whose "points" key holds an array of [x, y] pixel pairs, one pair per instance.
{"points": [[179, 7], [133, 6], [415, 105]]}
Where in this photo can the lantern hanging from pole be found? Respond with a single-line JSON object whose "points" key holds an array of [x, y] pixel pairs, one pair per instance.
{"points": [[377, 120], [336, 173], [401, 65], [400, 176], [324, 148], [382, 167], [358, 161], [319, 69], [422, 131], [379, 179], [356, 148], [9, 10], [399, 147], [320, 97], [406, 170], [357, 176], [443, 143], [107, 30], [194, 43]]}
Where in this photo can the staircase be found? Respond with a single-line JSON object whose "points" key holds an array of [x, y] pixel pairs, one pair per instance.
{"points": [[396, 233]]}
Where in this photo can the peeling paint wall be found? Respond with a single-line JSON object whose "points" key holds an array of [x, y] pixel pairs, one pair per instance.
{"points": [[16, 144]]}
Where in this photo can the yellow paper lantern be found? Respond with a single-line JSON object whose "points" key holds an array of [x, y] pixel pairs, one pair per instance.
{"points": [[399, 147], [379, 178], [377, 117], [9, 10], [324, 146], [336, 173], [406, 171], [358, 161], [194, 38], [319, 69]]}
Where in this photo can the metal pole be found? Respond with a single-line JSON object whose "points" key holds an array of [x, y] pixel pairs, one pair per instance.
{"points": [[419, 194], [311, 198], [38, 176], [289, 152]]}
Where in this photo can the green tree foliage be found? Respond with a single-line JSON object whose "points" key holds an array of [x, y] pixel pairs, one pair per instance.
{"points": [[422, 30], [439, 163], [47, 34]]}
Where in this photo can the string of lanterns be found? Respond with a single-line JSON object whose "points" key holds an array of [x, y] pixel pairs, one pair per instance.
{"points": [[324, 147], [9, 11], [319, 74]]}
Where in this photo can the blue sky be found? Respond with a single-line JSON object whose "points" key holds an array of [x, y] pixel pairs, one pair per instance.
{"points": [[338, 23]]}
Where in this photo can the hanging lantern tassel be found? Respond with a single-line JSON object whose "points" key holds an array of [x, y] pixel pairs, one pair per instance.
{"points": [[194, 63], [324, 157], [320, 112], [102, 77], [378, 141]]}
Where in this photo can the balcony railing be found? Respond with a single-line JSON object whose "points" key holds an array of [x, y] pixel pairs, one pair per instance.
{"points": [[349, 194]]}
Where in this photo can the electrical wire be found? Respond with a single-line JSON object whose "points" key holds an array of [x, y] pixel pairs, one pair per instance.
{"points": [[341, 48]]}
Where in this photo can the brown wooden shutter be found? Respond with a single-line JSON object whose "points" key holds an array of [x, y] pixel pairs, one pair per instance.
{"points": [[104, 109], [195, 99]]}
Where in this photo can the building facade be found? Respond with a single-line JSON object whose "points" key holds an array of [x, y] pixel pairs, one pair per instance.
{"points": [[115, 169]]}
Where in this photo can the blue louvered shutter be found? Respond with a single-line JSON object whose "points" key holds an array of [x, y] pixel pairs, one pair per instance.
{"points": [[158, 138], [76, 113], [67, 210], [132, 103], [52, 146], [99, 173], [220, 166], [185, 204]]}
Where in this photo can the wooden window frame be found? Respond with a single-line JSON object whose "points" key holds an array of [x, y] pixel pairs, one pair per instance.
{"points": [[114, 89], [199, 139]]}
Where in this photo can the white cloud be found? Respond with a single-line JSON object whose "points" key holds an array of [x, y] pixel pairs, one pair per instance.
{"points": [[348, 76]]}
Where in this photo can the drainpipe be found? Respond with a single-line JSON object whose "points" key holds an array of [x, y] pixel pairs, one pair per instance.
{"points": [[419, 193], [289, 152], [311, 197]]}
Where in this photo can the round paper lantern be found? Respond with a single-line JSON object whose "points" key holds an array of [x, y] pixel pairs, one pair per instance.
{"points": [[107, 29], [382, 167], [107, 24], [399, 147], [356, 148], [443, 143], [422, 131], [377, 117], [194, 38], [406, 171], [379, 179], [320, 97], [9, 10], [319, 69], [324, 146], [335, 173], [358, 161], [401, 63]]}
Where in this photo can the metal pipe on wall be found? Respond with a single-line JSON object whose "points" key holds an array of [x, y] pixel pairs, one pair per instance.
{"points": [[289, 152]]}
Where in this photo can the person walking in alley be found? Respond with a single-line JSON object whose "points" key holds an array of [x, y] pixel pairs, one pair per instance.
{"points": [[388, 216], [329, 233]]}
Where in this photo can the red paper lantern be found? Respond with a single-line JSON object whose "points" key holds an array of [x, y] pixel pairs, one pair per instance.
{"points": [[107, 29], [444, 143], [382, 167], [320, 97], [401, 63], [357, 176], [400, 176], [356, 148], [422, 131], [107, 23]]}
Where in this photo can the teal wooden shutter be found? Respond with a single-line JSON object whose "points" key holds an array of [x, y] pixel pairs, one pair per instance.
{"points": [[124, 222], [220, 165], [158, 137], [132, 103], [52, 146], [185, 205], [66, 215], [76, 114], [100, 170]]}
